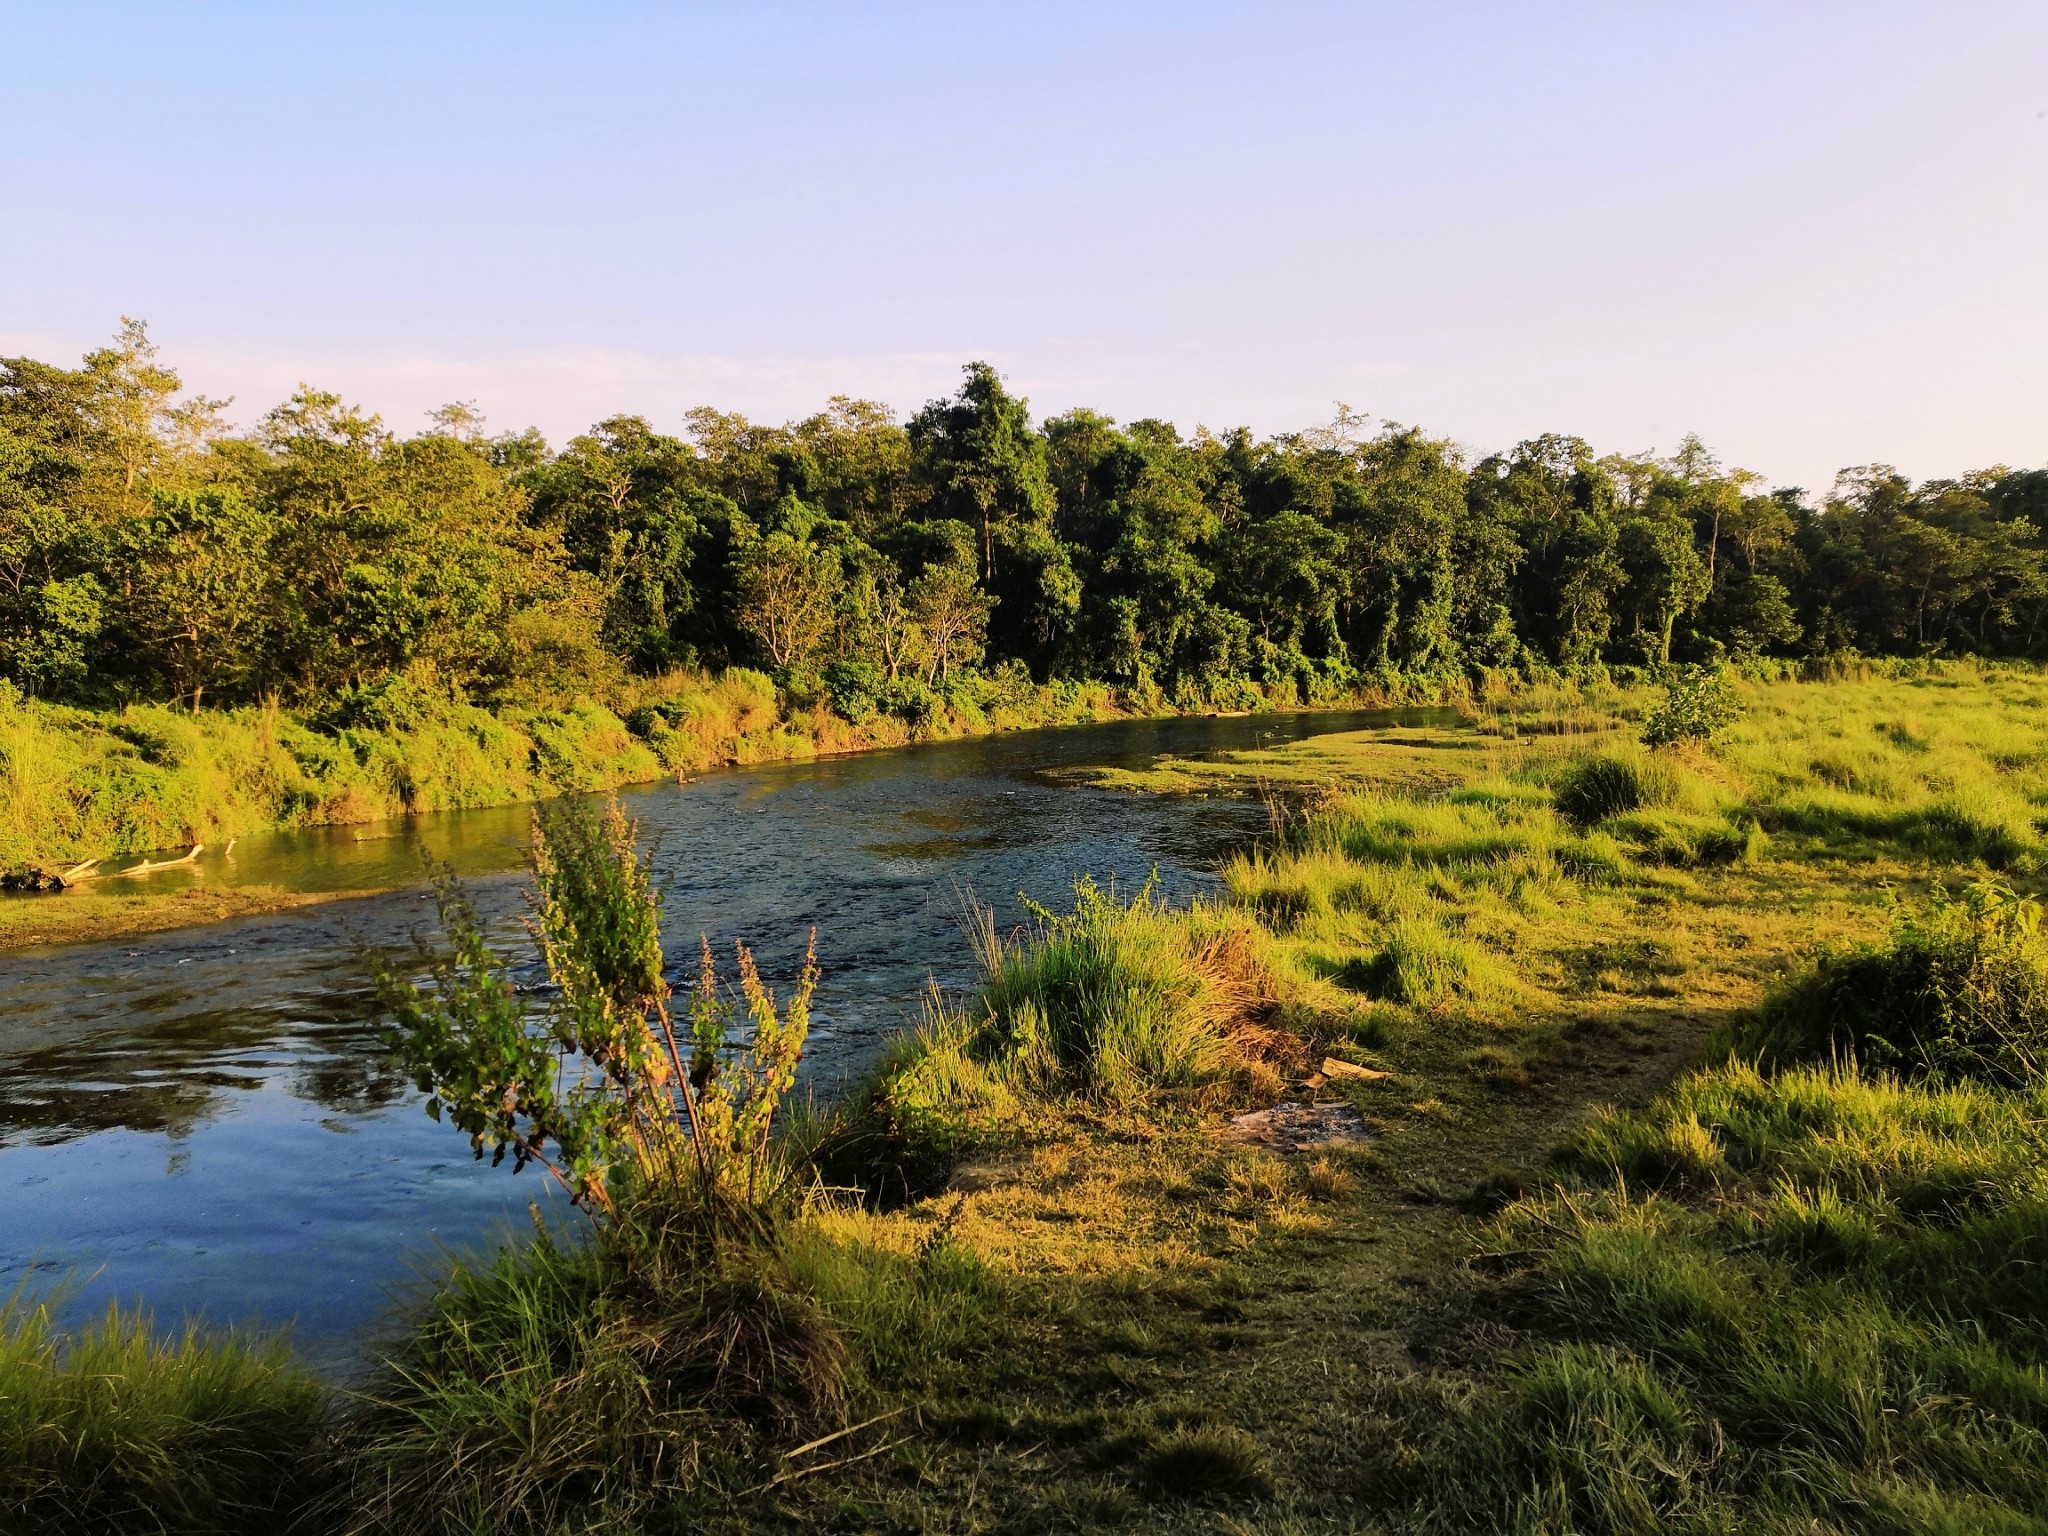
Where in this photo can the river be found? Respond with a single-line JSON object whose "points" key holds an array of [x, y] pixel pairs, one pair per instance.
{"points": [[205, 1121]]}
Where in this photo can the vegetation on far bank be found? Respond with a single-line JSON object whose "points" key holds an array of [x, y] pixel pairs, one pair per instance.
{"points": [[1701, 1093], [89, 784], [459, 617]]}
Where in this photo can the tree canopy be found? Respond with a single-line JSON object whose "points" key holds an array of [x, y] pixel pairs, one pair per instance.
{"points": [[149, 551]]}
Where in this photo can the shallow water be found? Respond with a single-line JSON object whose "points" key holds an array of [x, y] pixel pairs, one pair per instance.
{"points": [[205, 1120]]}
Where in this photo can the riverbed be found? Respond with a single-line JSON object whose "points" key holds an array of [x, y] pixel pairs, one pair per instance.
{"points": [[207, 1122]]}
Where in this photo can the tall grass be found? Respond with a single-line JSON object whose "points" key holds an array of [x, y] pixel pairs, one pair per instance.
{"points": [[1116, 998], [1111, 1003], [598, 1383], [1948, 765], [77, 784], [1957, 990], [1844, 1337], [115, 1428]]}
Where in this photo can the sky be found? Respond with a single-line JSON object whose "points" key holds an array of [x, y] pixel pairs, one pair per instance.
{"points": [[1815, 234]]}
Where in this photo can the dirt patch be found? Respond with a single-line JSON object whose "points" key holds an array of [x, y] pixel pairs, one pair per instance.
{"points": [[1298, 1127]]}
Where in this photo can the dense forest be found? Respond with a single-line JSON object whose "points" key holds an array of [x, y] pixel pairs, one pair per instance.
{"points": [[150, 552]]}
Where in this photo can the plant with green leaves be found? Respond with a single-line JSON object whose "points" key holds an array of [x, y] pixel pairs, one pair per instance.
{"points": [[595, 1087], [1958, 991], [1698, 703]]}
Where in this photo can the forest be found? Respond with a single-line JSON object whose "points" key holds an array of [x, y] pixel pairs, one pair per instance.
{"points": [[149, 552]]}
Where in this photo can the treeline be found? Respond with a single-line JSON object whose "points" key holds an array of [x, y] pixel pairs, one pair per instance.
{"points": [[148, 552]]}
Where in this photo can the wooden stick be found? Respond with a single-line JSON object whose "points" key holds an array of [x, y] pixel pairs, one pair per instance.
{"points": [[827, 1466], [146, 867], [841, 1434]]}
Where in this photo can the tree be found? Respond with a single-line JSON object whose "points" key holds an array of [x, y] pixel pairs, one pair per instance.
{"points": [[785, 588], [952, 617], [624, 500], [1285, 573], [982, 465], [198, 580]]}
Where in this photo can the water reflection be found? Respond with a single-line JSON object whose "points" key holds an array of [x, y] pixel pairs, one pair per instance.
{"points": [[206, 1119]]}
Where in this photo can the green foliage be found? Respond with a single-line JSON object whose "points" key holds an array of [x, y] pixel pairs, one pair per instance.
{"points": [[145, 554], [1957, 990], [596, 1087], [1698, 704], [115, 1428]]}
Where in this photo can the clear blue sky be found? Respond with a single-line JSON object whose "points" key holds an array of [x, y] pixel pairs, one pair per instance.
{"points": [[1815, 234]]}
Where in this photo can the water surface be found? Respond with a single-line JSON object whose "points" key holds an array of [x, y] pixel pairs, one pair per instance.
{"points": [[205, 1120]]}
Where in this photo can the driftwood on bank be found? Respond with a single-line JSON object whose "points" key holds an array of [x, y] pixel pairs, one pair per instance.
{"points": [[150, 867], [41, 877]]}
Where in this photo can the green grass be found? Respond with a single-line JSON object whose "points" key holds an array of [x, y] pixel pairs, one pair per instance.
{"points": [[114, 1428], [1805, 1300], [78, 784]]}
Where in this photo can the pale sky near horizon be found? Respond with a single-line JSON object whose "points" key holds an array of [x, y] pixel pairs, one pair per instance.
{"points": [[1816, 234]]}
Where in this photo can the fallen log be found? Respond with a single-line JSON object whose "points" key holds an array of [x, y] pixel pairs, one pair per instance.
{"points": [[148, 867]]}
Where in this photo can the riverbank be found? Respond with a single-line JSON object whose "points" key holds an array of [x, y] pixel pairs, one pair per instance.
{"points": [[86, 916], [79, 784], [124, 788], [1566, 1264]]}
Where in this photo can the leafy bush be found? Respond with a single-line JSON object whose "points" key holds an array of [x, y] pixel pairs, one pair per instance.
{"points": [[595, 1088], [1698, 703], [591, 1379], [1959, 990], [855, 688]]}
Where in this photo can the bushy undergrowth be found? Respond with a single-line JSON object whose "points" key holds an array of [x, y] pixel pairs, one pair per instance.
{"points": [[1958, 990], [116, 1429]]}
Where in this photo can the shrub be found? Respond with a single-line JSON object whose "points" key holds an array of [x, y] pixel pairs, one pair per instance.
{"points": [[587, 1382], [595, 1088], [1959, 990], [1698, 703], [855, 688]]}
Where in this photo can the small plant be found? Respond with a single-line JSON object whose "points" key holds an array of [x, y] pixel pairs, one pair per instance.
{"points": [[595, 1086], [1698, 703], [1328, 1179]]}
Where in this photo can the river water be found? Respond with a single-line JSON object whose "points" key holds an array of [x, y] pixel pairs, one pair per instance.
{"points": [[205, 1121]]}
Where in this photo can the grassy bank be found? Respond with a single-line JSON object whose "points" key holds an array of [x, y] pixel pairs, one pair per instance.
{"points": [[1696, 1182], [80, 784]]}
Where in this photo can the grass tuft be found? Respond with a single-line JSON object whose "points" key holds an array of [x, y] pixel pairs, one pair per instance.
{"points": [[117, 1429]]}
